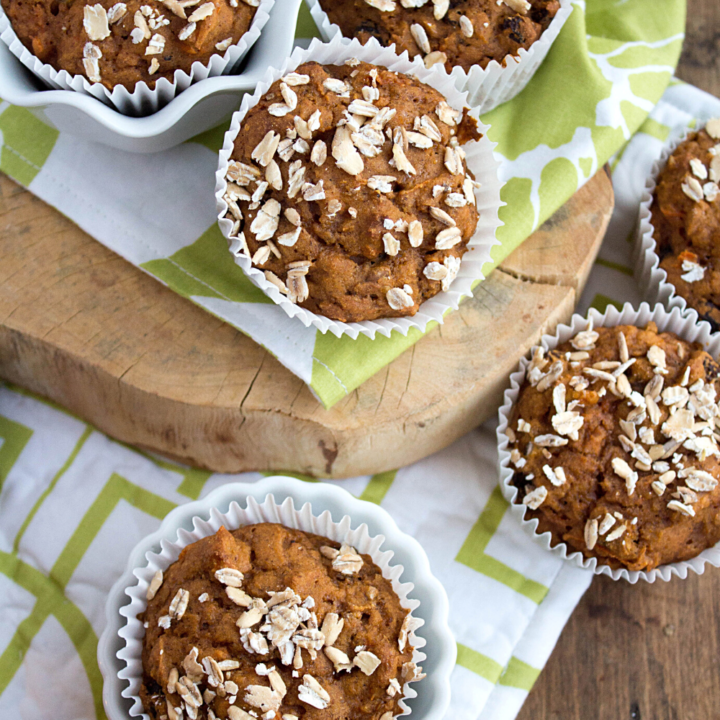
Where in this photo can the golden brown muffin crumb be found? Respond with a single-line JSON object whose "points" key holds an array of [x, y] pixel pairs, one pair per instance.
{"points": [[462, 33], [348, 187], [123, 43], [686, 221], [613, 441], [268, 622]]}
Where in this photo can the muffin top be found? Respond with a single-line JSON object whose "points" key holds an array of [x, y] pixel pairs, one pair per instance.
{"points": [[269, 622], [686, 221], [462, 33], [123, 43], [348, 187], [614, 446]]}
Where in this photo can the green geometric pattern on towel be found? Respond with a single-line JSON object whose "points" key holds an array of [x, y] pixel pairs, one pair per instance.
{"points": [[27, 144], [182, 271], [13, 439]]}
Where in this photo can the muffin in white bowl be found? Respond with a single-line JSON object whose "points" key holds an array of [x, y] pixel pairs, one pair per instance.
{"points": [[224, 566]]}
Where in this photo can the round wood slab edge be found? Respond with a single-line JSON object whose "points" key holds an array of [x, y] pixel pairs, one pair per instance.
{"points": [[88, 330]]}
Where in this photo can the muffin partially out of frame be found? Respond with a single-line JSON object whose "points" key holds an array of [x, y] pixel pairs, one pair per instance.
{"points": [[348, 187], [685, 215], [614, 448], [124, 43], [462, 33], [270, 622]]}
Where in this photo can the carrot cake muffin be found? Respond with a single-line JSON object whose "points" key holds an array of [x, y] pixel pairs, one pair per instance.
{"points": [[268, 622], [123, 43], [462, 33], [686, 221], [348, 187], [614, 446]]}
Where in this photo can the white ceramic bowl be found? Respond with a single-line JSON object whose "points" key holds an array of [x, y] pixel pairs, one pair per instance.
{"points": [[202, 106], [433, 693]]}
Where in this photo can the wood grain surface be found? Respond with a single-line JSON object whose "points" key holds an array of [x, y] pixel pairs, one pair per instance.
{"points": [[83, 327], [644, 652]]}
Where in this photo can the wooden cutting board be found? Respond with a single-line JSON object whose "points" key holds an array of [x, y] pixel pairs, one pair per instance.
{"points": [[83, 327]]}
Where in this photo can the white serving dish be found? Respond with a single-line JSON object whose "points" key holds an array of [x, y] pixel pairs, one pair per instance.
{"points": [[433, 692], [202, 106]]}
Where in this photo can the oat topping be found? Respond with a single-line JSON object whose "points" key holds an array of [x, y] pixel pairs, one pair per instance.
{"points": [[116, 13], [693, 189], [91, 56], [156, 45], [713, 128], [154, 585], [420, 37], [293, 79], [521, 6], [382, 5], [95, 22], [223, 45], [331, 628], [312, 693], [179, 604], [398, 299], [466, 26], [535, 498], [591, 533], [164, 621], [692, 271], [410, 624], [230, 577], [367, 662]]}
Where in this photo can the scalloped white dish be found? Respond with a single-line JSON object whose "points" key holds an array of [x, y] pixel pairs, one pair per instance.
{"points": [[433, 692], [200, 107]]}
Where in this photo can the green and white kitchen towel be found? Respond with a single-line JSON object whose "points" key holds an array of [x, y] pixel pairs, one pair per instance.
{"points": [[604, 73], [73, 503]]}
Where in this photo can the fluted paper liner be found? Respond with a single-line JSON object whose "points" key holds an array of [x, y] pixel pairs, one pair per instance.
{"points": [[652, 279], [667, 321], [268, 511], [486, 87], [479, 158], [143, 100]]}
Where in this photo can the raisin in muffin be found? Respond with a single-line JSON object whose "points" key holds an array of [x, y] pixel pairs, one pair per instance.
{"points": [[462, 34], [685, 215], [348, 187], [614, 447], [124, 43], [271, 622]]}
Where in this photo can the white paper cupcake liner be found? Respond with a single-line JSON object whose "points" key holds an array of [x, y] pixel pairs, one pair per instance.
{"points": [[673, 321], [236, 516], [486, 87], [652, 279], [143, 100], [479, 158]]}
